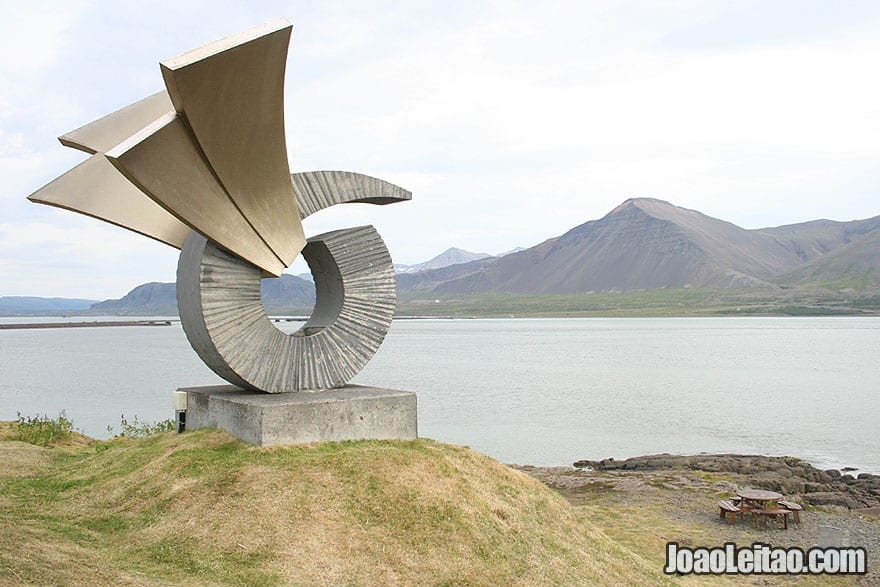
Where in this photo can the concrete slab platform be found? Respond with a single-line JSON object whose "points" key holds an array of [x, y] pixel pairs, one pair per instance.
{"points": [[353, 412]]}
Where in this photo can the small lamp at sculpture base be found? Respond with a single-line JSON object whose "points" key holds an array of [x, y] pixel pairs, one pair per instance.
{"points": [[352, 412]]}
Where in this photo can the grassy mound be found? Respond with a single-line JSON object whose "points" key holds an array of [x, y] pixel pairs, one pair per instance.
{"points": [[202, 508]]}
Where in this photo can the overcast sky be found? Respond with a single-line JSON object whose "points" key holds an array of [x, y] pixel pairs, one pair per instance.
{"points": [[510, 122]]}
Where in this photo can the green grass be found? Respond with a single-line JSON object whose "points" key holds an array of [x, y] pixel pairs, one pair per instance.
{"points": [[654, 303], [711, 477], [184, 559], [868, 303]]}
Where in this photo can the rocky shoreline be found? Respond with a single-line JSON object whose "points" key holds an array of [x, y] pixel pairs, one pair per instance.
{"points": [[788, 475], [659, 498]]}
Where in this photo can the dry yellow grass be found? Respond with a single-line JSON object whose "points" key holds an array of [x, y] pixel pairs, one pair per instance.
{"points": [[202, 508]]}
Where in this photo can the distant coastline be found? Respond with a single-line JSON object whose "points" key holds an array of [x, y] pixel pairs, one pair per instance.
{"points": [[107, 323], [666, 303]]}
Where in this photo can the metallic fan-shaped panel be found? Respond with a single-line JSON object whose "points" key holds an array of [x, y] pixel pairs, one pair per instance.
{"points": [[225, 322], [165, 163], [95, 188], [108, 131], [231, 94], [220, 129]]}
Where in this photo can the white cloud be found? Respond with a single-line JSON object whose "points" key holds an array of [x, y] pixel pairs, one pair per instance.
{"points": [[34, 36], [511, 122]]}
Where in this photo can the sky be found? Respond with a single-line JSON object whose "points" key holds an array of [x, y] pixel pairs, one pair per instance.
{"points": [[510, 122]]}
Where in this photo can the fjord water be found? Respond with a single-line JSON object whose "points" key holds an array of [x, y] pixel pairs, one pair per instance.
{"points": [[537, 391]]}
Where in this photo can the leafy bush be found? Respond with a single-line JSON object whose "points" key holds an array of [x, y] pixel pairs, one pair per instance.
{"points": [[41, 429], [138, 429]]}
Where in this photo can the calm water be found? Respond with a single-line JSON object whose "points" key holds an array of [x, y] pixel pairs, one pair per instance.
{"points": [[545, 392]]}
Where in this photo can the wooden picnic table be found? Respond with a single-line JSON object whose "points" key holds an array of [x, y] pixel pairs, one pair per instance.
{"points": [[755, 502], [758, 497]]}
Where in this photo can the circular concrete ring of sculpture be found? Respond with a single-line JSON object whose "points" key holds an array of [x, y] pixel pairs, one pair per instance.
{"points": [[222, 313]]}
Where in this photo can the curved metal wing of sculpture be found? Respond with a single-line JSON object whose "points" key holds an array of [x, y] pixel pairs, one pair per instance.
{"points": [[203, 168]]}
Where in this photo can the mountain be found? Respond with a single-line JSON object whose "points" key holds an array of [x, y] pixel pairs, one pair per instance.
{"points": [[157, 299], [511, 251], [288, 294], [30, 306], [854, 264], [643, 243], [431, 278], [283, 295], [814, 239], [451, 256]]}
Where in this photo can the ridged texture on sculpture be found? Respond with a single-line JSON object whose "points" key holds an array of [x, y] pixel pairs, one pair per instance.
{"points": [[203, 167], [239, 342], [316, 190]]}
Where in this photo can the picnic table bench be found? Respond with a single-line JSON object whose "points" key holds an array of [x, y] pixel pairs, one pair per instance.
{"points": [[728, 510], [764, 515], [794, 507]]}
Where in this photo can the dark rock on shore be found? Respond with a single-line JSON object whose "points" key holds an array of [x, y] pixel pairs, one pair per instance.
{"points": [[788, 475]]}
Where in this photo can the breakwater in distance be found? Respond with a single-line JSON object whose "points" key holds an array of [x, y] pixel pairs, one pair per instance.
{"points": [[104, 323], [169, 322]]}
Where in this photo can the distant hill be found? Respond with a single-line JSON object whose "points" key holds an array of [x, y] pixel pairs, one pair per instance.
{"points": [[814, 239], [30, 306], [288, 294], [451, 256], [642, 244], [853, 265], [511, 251], [149, 299], [431, 278], [285, 295], [646, 244]]}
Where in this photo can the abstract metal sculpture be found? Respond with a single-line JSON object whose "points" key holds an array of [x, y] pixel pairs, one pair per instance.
{"points": [[203, 167]]}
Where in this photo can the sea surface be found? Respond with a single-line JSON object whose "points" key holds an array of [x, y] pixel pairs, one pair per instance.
{"points": [[528, 391]]}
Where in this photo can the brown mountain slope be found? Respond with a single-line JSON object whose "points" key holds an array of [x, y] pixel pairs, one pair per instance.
{"points": [[811, 240], [854, 265], [642, 244], [428, 279]]}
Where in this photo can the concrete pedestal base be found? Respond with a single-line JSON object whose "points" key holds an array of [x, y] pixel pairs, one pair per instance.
{"points": [[352, 412]]}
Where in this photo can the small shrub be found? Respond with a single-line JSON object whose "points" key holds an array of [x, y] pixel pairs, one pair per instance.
{"points": [[41, 429], [138, 429]]}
